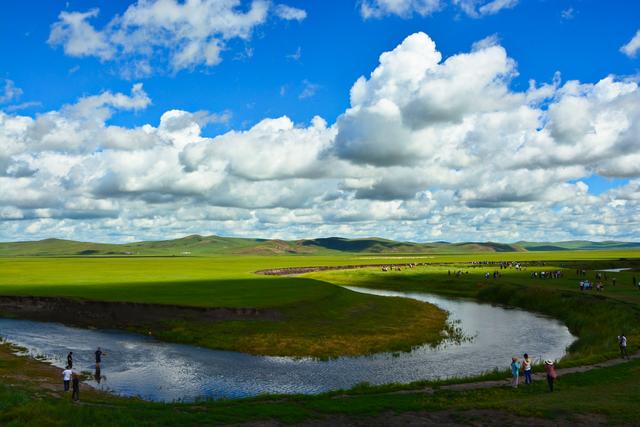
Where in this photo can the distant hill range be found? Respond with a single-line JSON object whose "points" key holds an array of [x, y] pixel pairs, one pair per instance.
{"points": [[215, 245]]}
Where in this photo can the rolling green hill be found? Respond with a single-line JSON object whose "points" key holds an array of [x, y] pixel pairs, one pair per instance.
{"points": [[196, 245], [577, 245]]}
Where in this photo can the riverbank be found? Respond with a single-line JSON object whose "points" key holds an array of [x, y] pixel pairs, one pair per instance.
{"points": [[596, 318], [138, 365], [601, 396], [583, 397], [217, 303]]}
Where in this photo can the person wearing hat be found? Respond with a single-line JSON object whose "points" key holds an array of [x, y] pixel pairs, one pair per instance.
{"points": [[550, 368], [515, 372]]}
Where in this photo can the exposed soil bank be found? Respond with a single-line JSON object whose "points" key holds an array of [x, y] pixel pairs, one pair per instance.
{"points": [[286, 271], [103, 314]]}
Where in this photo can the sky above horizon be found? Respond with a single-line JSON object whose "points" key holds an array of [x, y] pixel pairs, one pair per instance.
{"points": [[422, 120]]}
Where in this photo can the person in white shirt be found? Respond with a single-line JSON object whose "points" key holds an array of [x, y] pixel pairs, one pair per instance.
{"points": [[622, 342], [527, 364], [66, 377]]}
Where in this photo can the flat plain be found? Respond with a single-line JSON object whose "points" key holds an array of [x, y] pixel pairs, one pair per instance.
{"points": [[325, 320]]}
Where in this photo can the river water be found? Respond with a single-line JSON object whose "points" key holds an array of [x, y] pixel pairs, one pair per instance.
{"points": [[136, 365]]}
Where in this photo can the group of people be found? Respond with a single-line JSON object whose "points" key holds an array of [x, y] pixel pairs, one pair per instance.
{"points": [[586, 285], [557, 274], [526, 366], [496, 275], [71, 378]]}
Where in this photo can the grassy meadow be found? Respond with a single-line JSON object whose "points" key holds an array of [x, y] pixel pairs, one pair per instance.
{"points": [[314, 313], [326, 320]]}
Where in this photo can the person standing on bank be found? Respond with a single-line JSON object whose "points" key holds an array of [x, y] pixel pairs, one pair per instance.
{"points": [[622, 342], [75, 386], [99, 355], [515, 372], [526, 366], [66, 377], [550, 368], [70, 359]]}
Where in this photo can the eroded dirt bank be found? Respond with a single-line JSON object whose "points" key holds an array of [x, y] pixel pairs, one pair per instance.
{"points": [[104, 314], [287, 271]]}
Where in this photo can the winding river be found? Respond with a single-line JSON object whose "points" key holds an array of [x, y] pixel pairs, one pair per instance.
{"points": [[136, 365]]}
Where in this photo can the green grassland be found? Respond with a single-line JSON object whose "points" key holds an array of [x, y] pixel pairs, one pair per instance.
{"points": [[314, 313], [612, 393], [317, 311], [595, 317], [196, 245]]}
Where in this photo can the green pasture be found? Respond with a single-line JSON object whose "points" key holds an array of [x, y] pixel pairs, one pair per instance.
{"points": [[597, 318], [612, 393], [313, 313], [324, 320], [321, 316], [221, 281]]}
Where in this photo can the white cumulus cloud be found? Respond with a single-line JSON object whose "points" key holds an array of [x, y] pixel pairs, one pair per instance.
{"points": [[631, 48], [165, 34], [409, 8], [429, 148]]}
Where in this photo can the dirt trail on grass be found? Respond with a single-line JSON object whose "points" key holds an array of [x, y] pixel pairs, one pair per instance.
{"points": [[469, 418], [478, 385], [540, 375], [452, 418]]}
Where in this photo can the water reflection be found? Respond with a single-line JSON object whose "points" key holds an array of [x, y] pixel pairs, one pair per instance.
{"points": [[139, 365]]}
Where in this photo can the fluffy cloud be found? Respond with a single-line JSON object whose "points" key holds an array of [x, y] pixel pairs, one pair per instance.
{"points": [[408, 8], [10, 92], [631, 48], [479, 8], [191, 33], [78, 37], [289, 13], [429, 148], [403, 8]]}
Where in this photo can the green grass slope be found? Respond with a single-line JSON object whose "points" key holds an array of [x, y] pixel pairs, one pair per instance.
{"points": [[577, 245], [196, 245]]}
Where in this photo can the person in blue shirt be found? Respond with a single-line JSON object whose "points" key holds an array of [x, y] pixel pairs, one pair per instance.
{"points": [[515, 372]]}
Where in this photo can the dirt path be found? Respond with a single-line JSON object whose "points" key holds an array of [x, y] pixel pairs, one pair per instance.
{"points": [[452, 418], [469, 418], [479, 385]]}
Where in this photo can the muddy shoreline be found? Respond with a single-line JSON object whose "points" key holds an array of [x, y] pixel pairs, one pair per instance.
{"points": [[119, 315], [288, 271]]}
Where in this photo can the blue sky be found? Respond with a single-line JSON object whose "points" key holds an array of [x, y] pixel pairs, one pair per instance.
{"points": [[336, 47], [299, 61]]}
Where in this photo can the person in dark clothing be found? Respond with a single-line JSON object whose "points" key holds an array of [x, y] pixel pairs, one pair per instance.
{"points": [[98, 357], [98, 374], [75, 387], [70, 359]]}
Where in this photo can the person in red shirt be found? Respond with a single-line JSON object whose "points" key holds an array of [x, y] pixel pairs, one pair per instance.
{"points": [[550, 368]]}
